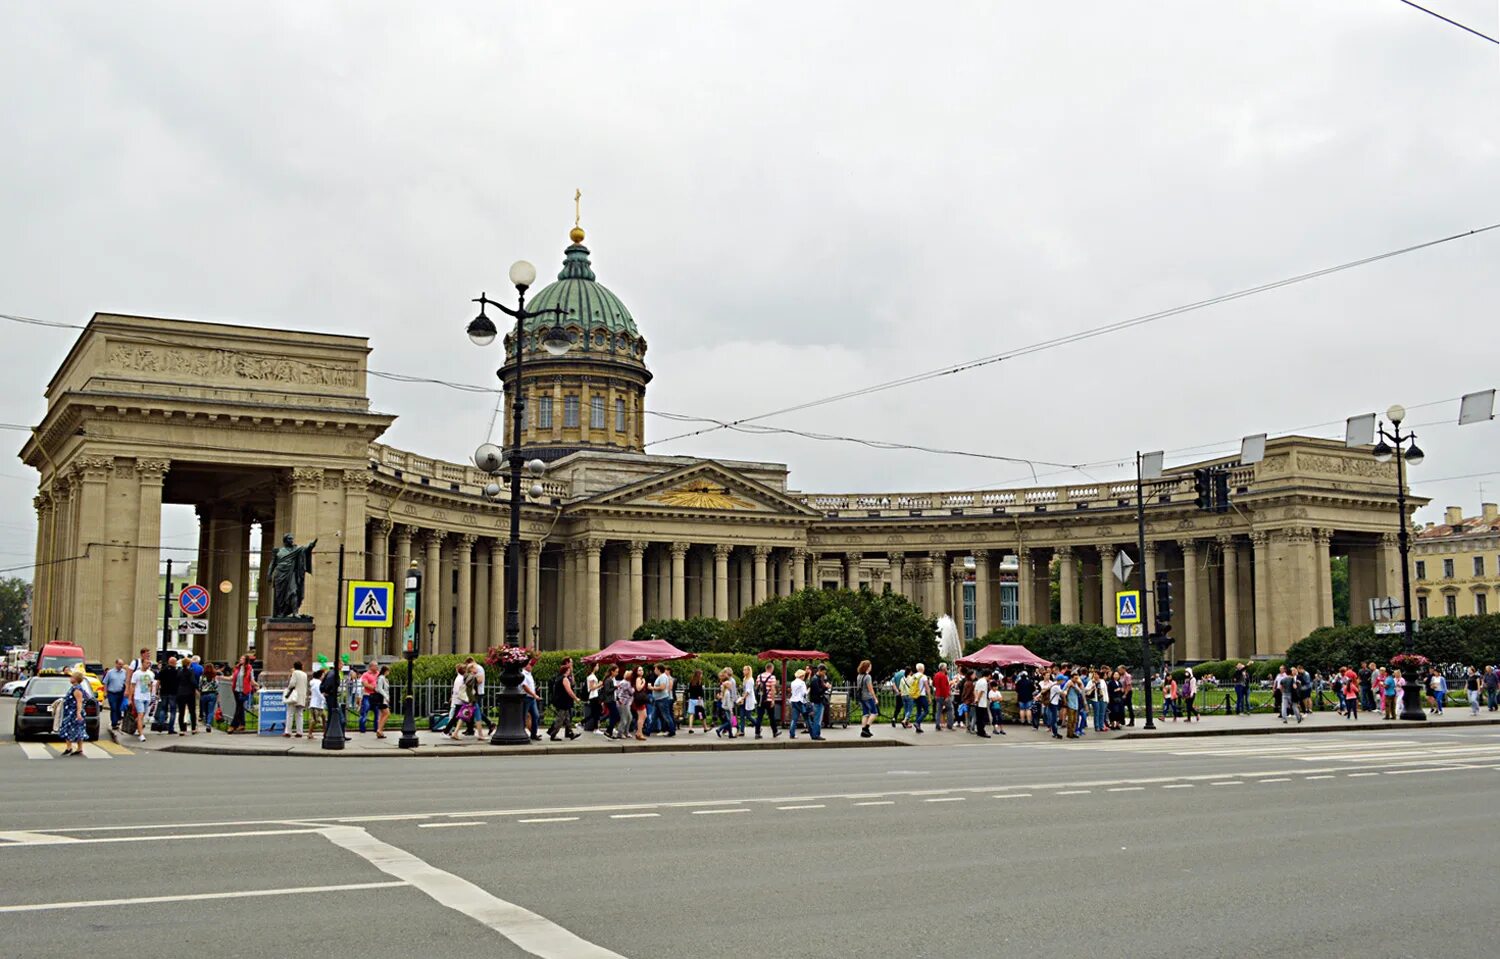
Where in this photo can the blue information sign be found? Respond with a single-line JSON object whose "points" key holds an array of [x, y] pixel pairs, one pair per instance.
{"points": [[272, 713]]}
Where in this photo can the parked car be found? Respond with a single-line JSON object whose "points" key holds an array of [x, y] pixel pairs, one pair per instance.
{"points": [[14, 687], [34, 708]]}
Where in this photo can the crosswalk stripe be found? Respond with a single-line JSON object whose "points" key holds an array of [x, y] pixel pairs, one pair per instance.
{"points": [[92, 751], [113, 748], [35, 751]]}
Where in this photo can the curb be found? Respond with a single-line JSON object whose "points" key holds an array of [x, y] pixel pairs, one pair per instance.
{"points": [[443, 752], [1385, 726]]}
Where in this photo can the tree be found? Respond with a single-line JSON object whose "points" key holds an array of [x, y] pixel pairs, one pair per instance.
{"points": [[1338, 569], [13, 598]]}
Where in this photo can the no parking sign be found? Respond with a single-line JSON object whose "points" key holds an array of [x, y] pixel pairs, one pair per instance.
{"points": [[193, 600]]}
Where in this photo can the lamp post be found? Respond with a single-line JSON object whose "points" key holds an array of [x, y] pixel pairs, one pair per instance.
{"points": [[1403, 447], [510, 729], [410, 639]]}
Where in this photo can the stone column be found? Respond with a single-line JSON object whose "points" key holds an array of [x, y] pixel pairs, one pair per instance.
{"points": [[87, 597], [784, 575], [432, 574], [758, 574], [897, 561], [679, 579], [1107, 587], [746, 581], [1230, 553], [41, 582], [378, 532], [464, 559], [147, 619], [1192, 638], [1388, 566], [851, 570], [495, 608], [637, 586], [799, 569], [241, 593], [937, 587], [1025, 589], [591, 609], [721, 581], [982, 623], [533, 615], [1321, 539], [1260, 541], [402, 535], [1149, 573], [1067, 584], [479, 635]]}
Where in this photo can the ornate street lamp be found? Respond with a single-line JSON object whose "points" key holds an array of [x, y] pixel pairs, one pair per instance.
{"points": [[511, 726], [1403, 447], [411, 638]]}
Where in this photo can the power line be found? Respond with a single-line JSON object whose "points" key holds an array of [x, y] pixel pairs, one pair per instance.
{"points": [[1434, 13], [1087, 334]]}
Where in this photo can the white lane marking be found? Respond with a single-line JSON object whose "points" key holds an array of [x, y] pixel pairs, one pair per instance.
{"points": [[1434, 769], [947, 799], [447, 825], [877, 802], [1279, 779], [1178, 786], [636, 815], [1318, 777], [1232, 782], [716, 812], [908, 772], [200, 896], [1358, 775], [1126, 789], [35, 750], [533, 933], [551, 819], [1012, 796], [815, 805], [49, 840], [91, 751], [34, 838], [1073, 792]]}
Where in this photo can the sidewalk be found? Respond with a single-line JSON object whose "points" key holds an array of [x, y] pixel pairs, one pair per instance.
{"points": [[366, 746], [1322, 721]]}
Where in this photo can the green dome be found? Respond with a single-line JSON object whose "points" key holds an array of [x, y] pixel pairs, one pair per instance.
{"points": [[590, 305]]}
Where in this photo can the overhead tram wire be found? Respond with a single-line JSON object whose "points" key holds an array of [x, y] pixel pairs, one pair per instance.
{"points": [[1434, 13], [1082, 335]]}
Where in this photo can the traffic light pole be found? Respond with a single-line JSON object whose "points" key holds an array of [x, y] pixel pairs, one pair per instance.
{"points": [[1145, 606]]}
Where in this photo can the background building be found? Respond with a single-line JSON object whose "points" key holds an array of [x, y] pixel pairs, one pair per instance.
{"points": [[1456, 564]]}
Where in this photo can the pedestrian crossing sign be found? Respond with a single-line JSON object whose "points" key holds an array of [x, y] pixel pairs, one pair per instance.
{"points": [[1128, 607], [369, 604]]}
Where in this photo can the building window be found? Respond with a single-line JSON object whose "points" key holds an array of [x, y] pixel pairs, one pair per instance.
{"points": [[1479, 566], [570, 412], [1447, 569], [830, 584], [971, 611], [1421, 607], [619, 416], [544, 413], [1450, 605], [1421, 569], [1010, 604], [1481, 604], [596, 412]]}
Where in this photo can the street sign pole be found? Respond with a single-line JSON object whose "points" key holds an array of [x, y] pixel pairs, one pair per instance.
{"points": [[1140, 528]]}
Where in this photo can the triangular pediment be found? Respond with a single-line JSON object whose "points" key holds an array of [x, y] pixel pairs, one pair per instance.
{"points": [[706, 486]]}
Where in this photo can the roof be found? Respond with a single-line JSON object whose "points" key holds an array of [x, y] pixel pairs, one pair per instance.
{"points": [[1471, 526], [590, 304], [1000, 654]]}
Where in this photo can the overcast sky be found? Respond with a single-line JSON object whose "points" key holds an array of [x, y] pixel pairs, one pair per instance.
{"points": [[794, 200]]}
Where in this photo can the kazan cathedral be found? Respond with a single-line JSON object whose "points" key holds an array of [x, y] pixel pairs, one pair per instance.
{"points": [[273, 428]]}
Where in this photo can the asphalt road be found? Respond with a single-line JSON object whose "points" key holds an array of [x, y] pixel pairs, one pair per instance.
{"points": [[1252, 845]]}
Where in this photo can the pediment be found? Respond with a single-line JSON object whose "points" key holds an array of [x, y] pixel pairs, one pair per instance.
{"points": [[707, 487]]}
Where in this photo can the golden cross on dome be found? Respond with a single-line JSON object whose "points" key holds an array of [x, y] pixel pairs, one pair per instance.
{"points": [[577, 232]]}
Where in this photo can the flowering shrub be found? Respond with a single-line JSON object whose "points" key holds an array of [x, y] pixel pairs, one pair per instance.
{"points": [[509, 656], [1408, 662]]}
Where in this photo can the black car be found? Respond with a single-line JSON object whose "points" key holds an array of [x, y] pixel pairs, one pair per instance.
{"points": [[34, 707]]}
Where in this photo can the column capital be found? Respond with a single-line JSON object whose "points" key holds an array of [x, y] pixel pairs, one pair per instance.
{"points": [[938, 555], [591, 547], [1323, 535], [356, 479], [1188, 545], [722, 550], [93, 469], [1225, 541], [896, 558], [433, 538], [306, 478], [1151, 549], [42, 502], [1297, 534], [637, 547], [760, 552], [981, 555], [854, 556], [466, 542], [1107, 550], [382, 526], [533, 546], [678, 550], [1023, 554], [1259, 538], [404, 533], [1390, 540], [151, 470], [1065, 552], [799, 554]]}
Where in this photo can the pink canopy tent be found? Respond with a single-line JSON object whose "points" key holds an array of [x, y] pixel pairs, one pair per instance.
{"points": [[997, 655], [637, 651], [784, 655]]}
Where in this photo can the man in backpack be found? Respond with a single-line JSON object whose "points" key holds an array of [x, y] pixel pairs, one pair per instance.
{"points": [[563, 698], [1286, 685], [818, 695], [1241, 689]]}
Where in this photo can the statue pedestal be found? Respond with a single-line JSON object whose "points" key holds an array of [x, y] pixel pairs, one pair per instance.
{"points": [[285, 641]]}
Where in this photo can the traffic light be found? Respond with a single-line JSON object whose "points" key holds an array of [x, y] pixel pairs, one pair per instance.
{"points": [[1203, 483], [1221, 492], [1163, 604]]}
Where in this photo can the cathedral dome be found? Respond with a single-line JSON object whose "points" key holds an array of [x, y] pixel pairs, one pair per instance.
{"points": [[597, 318]]}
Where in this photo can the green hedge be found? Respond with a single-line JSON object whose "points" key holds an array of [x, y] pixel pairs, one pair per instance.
{"points": [[1467, 640]]}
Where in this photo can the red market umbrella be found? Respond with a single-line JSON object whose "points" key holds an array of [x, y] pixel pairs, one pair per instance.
{"points": [[784, 655], [1000, 654], [637, 651]]}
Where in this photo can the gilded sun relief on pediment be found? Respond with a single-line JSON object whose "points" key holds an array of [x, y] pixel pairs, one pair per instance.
{"points": [[701, 494]]}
